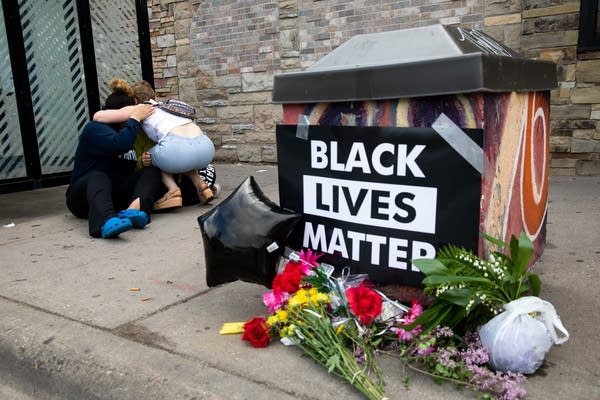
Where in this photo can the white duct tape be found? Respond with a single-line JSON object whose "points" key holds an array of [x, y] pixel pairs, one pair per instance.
{"points": [[302, 127], [460, 141]]}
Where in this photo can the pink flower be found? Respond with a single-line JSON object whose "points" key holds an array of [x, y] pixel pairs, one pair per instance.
{"points": [[407, 335], [309, 260], [415, 309], [426, 350], [403, 335], [275, 300]]}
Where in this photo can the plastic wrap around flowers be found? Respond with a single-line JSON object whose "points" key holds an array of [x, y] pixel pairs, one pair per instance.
{"points": [[304, 283]]}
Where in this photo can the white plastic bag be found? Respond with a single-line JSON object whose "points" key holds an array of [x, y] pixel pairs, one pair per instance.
{"points": [[518, 341]]}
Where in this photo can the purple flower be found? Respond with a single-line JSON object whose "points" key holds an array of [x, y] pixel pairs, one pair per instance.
{"points": [[501, 386], [445, 356], [475, 353], [423, 351], [442, 331]]}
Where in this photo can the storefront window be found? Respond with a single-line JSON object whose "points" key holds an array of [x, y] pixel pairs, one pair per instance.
{"points": [[589, 26]]}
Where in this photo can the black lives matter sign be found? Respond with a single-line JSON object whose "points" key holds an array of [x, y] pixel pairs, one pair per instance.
{"points": [[372, 198]]}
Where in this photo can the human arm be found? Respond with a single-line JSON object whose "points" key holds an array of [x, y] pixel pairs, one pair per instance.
{"points": [[103, 140], [138, 112]]}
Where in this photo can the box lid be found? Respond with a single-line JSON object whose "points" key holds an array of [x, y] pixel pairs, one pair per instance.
{"points": [[425, 61]]}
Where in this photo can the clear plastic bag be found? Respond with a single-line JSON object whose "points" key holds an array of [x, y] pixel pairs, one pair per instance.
{"points": [[520, 337]]}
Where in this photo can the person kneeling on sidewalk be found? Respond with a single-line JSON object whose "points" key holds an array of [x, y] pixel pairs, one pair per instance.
{"points": [[103, 182], [185, 191]]}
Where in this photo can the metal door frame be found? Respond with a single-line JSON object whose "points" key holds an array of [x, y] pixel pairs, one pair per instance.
{"points": [[14, 32]]}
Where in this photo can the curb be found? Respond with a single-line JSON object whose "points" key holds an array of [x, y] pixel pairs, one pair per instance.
{"points": [[51, 357]]}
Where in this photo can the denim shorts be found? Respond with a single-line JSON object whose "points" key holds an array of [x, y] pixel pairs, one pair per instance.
{"points": [[176, 154]]}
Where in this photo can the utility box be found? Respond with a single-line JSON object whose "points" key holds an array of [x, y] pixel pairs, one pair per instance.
{"points": [[397, 143]]}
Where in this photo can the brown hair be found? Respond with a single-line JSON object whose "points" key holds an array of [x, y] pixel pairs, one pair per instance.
{"points": [[122, 94], [143, 91]]}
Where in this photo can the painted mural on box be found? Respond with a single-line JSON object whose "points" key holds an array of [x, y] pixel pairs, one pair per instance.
{"points": [[516, 147]]}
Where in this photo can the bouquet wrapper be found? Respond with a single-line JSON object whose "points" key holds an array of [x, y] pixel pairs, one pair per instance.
{"points": [[520, 337]]}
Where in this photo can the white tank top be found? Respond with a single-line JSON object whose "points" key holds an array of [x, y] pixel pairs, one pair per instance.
{"points": [[159, 124]]}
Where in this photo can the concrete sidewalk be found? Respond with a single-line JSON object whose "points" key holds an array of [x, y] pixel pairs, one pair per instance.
{"points": [[71, 328]]}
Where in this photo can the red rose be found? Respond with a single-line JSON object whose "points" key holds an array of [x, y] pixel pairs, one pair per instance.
{"points": [[256, 331], [365, 303], [289, 280]]}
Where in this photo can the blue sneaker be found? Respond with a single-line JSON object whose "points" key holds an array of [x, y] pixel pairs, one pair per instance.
{"points": [[114, 226], [139, 219]]}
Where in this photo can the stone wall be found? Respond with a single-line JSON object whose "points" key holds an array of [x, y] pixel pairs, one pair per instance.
{"points": [[222, 56], [548, 29]]}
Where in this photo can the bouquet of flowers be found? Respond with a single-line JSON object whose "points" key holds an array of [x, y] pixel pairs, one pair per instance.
{"points": [[337, 322], [344, 322]]}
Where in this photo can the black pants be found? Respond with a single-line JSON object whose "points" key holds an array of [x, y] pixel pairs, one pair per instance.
{"points": [[97, 195]]}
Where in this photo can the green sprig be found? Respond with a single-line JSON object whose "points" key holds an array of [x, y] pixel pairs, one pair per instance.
{"points": [[469, 290], [318, 339]]}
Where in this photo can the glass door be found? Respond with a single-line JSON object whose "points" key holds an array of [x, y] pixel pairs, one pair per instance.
{"points": [[56, 79], [12, 160], [116, 42], [56, 58]]}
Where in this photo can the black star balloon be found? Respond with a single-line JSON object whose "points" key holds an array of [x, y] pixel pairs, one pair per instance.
{"points": [[244, 236]]}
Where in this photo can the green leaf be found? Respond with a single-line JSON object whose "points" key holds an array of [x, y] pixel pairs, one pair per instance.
{"points": [[333, 362], [441, 370], [458, 296], [535, 283], [430, 266], [438, 279], [521, 251], [499, 243], [441, 312]]}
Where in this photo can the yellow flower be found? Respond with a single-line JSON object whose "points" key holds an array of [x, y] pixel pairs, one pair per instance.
{"points": [[321, 298], [340, 329], [272, 320], [288, 330], [282, 315], [299, 299], [294, 301]]}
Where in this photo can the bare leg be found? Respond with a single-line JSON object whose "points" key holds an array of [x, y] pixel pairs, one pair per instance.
{"points": [[135, 205], [168, 180], [171, 199], [205, 194], [139, 219]]}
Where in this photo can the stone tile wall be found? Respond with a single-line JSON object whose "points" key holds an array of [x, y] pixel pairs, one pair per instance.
{"points": [[221, 57], [549, 30]]}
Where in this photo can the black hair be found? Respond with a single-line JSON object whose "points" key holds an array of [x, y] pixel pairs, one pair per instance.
{"points": [[118, 100]]}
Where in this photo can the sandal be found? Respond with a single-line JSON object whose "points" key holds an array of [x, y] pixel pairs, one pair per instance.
{"points": [[171, 199], [138, 219], [115, 226], [216, 189], [205, 195]]}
